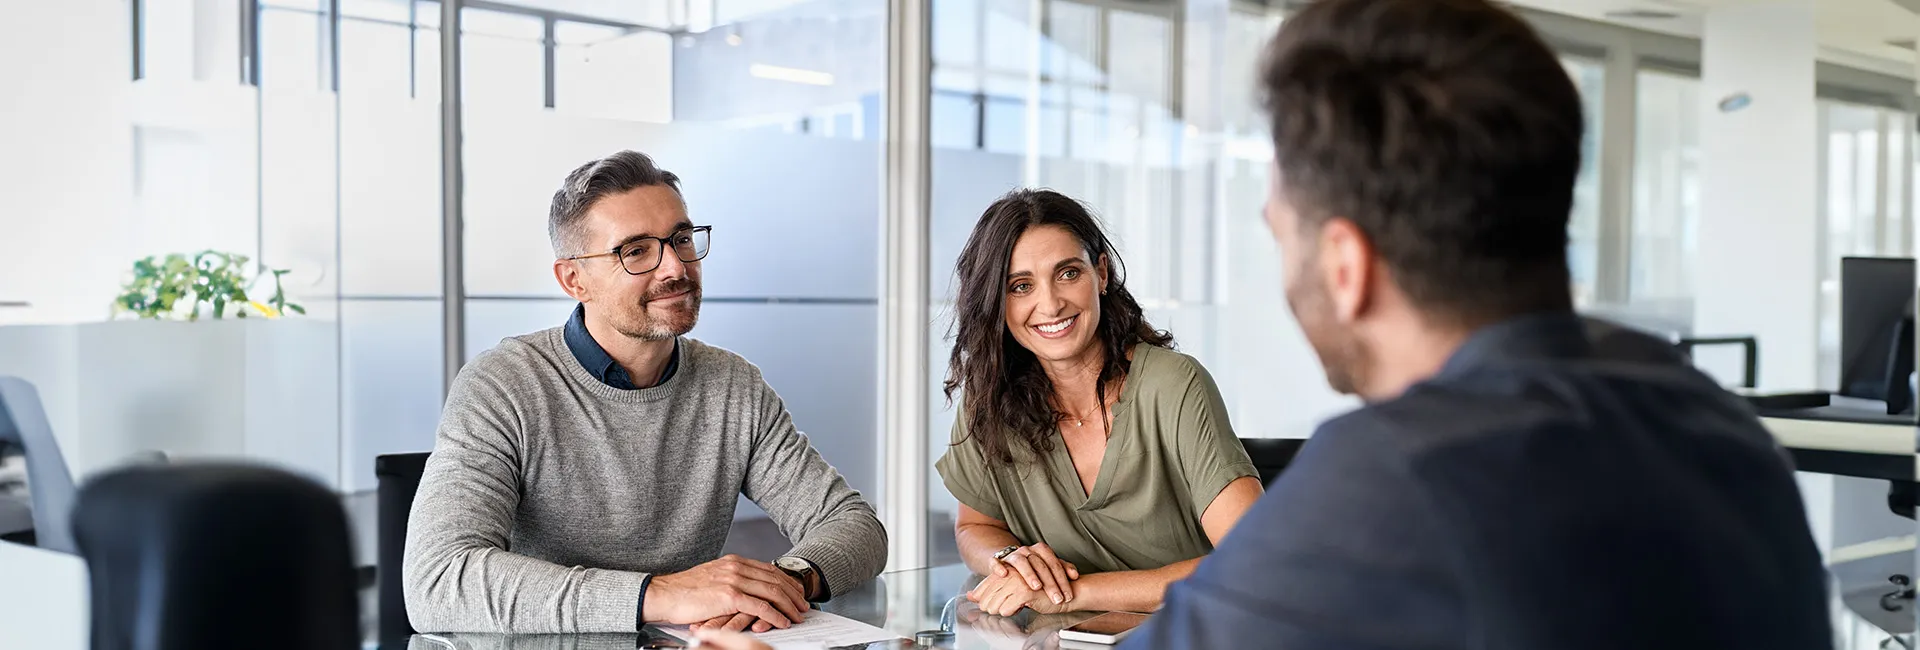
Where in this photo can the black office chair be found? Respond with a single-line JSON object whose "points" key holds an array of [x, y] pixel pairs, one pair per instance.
{"points": [[216, 556], [1271, 455], [399, 477]]}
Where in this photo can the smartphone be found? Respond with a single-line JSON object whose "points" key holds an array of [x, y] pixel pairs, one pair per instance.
{"points": [[1108, 628], [653, 638]]}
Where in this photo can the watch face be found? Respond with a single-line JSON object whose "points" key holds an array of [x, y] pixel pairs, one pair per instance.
{"points": [[791, 564]]}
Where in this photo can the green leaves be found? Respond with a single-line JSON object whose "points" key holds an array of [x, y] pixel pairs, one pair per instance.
{"points": [[217, 280]]}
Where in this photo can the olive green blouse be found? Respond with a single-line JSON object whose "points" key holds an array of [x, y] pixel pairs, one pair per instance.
{"points": [[1170, 452]]}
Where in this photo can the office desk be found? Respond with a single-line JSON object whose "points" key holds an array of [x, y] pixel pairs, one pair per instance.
{"points": [[1846, 442], [43, 599], [904, 603]]}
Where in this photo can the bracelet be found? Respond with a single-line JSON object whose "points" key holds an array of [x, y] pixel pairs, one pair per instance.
{"points": [[1001, 555]]}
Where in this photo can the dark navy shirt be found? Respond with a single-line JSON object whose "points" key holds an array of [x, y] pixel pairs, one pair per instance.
{"points": [[1558, 484], [596, 360]]}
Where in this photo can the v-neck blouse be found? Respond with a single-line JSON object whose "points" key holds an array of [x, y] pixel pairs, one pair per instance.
{"points": [[1170, 452]]}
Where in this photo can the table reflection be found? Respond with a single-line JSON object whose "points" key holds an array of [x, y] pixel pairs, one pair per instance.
{"points": [[927, 608]]}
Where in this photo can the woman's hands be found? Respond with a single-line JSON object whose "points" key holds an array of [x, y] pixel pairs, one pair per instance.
{"points": [[1041, 571]]}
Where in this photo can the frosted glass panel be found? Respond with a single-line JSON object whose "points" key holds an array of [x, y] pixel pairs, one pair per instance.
{"points": [[1666, 190], [290, 50], [374, 58], [297, 170], [966, 183], [820, 358], [389, 196], [196, 168], [793, 216], [392, 10], [506, 60], [956, 33], [622, 76], [390, 369], [489, 321]]}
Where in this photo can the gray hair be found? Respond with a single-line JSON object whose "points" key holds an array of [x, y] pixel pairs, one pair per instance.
{"points": [[593, 181]]}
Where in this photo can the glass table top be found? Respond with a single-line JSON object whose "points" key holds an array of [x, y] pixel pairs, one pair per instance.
{"points": [[906, 603]]}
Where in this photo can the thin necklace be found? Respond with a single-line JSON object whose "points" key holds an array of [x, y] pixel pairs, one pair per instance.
{"points": [[1081, 421]]}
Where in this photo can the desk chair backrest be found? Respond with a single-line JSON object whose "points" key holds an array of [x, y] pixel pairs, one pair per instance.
{"points": [[23, 422], [399, 476], [217, 556], [1271, 455]]}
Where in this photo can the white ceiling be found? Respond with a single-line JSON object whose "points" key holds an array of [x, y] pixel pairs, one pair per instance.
{"points": [[1853, 32]]}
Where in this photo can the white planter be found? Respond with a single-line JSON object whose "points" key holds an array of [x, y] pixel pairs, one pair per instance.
{"points": [[254, 389]]}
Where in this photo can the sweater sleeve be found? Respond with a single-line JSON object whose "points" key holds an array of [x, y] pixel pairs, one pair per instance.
{"points": [[830, 524], [458, 574]]}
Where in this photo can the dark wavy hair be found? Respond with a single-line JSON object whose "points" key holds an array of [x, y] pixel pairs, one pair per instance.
{"points": [[1008, 396]]}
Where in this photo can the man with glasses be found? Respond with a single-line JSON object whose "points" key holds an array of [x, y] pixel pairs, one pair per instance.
{"points": [[584, 477]]}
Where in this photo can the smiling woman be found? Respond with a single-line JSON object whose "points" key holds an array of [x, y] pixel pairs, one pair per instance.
{"points": [[1079, 423]]}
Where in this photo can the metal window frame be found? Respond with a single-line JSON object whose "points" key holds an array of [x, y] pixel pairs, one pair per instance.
{"points": [[137, 15], [249, 59], [906, 213], [453, 290]]}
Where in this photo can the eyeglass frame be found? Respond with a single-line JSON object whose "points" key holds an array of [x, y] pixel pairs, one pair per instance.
{"points": [[665, 243]]}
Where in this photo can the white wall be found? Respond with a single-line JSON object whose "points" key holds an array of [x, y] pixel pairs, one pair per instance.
{"points": [[1757, 261], [64, 199]]}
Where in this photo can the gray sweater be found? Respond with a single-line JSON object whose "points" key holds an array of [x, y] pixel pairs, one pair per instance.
{"points": [[550, 496]]}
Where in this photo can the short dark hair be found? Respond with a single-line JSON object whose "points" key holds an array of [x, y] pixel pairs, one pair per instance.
{"points": [[589, 183], [1009, 399], [1447, 131]]}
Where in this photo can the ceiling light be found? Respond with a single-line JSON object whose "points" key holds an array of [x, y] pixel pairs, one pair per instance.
{"points": [[793, 75]]}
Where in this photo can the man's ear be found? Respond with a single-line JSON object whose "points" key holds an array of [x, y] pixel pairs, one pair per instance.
{"points": [[1347, 260], [568, 274]]}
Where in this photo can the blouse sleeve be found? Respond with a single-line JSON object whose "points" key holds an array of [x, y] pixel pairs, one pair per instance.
{"points": [[964, 470], [1210, 455]]}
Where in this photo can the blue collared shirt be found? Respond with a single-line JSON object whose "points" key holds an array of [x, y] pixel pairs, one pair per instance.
{"points": [[1558, 484], [601, 365]]}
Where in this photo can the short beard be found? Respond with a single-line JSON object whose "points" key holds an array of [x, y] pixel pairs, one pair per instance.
{"points": [[1343, 357], [669, 325]]}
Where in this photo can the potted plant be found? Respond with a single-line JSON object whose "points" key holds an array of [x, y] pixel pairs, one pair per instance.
{"points": [[199, 362], [175, 287]]}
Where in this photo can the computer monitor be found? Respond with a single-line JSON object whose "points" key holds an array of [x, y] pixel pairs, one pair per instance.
{"points": [[1876, 328]]}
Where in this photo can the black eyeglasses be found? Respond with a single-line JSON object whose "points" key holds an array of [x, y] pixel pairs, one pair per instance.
{"points": [[644, 254]]}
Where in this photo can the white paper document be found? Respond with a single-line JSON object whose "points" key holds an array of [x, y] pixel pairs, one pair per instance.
{"points": [[820, 630]]}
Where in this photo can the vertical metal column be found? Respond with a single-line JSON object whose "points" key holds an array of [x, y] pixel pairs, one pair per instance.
{"points": [[905, 213], [453, 300], [332, 42], [250, 42], [548, 44], [1619, 105], [138, 20]]}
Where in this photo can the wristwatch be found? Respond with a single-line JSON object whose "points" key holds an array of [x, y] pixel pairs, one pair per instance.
{"points": [[1002, 554], [801, 570]]}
